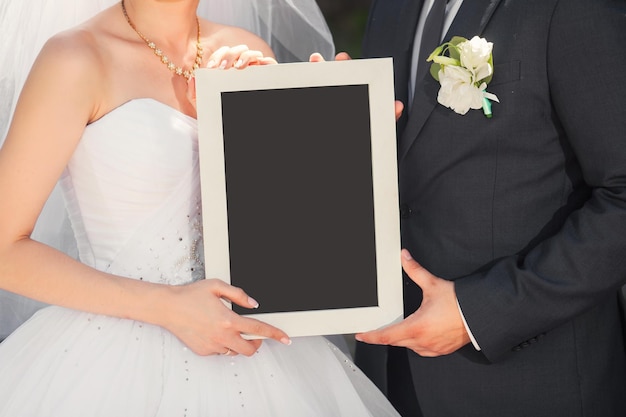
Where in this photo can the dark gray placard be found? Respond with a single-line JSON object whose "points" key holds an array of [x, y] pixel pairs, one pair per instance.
{"points": [[298, 168]]}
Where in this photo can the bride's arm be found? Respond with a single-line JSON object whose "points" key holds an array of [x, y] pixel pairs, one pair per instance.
{"points": [[57, 102]]}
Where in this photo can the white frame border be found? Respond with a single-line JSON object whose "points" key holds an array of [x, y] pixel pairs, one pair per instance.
{"points": [[378, 75]]}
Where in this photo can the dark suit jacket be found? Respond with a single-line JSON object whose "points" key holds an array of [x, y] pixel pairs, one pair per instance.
{"points": [[526, 211]]}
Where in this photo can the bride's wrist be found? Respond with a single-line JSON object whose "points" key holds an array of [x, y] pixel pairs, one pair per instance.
{"points": [[156, 304]]}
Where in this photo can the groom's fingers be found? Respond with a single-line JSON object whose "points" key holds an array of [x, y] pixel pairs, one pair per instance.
{"points": [[405, 334], [399, 107], [390, 335], [416, 272]]}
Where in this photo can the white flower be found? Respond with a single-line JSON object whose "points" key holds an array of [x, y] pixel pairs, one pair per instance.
{"points": [[475, 53], [463, 68], [458, 91]]}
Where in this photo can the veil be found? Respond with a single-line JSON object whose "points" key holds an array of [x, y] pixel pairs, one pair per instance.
{"points": [[293, 28]]}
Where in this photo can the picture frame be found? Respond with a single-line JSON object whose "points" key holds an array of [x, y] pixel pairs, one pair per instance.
{"points": [[298, 169]]}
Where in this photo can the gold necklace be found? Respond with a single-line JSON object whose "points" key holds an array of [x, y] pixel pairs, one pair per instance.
{"points": [[164, 59]]}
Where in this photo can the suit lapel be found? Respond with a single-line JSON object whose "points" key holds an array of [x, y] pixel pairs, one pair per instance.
{"points": [[472, 18], [470, 21]]}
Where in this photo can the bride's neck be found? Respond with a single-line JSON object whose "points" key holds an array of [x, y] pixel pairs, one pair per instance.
{"points": [[164, 21]]}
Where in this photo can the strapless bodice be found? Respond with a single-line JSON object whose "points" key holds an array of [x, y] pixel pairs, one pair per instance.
{"points": [[133, 193]]}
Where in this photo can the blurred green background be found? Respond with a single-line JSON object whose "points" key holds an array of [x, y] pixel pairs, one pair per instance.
{"points": [[346, 20]]}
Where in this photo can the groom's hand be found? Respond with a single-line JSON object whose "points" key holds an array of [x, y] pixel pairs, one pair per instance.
{"points": [[436, 328]]}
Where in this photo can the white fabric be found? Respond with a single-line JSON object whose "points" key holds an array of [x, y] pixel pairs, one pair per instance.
{"points": [[293, 28], [133, 194]]}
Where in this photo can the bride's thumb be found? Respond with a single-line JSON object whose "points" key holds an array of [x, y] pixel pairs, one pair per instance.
{"points": [[191, 90]]}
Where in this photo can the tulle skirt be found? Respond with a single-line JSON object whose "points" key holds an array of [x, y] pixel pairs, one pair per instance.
{"points": [[65, 363]]}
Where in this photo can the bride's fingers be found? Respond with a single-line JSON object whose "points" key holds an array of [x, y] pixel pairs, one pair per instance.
{"points": [[233, 294], [244, 347], [232, 56], [266, 60], [238, 57], [229, 352], [249, 326], [245, 324], [191, 90], [248, 58], [217, 57], [226, 57], [316, 57]]}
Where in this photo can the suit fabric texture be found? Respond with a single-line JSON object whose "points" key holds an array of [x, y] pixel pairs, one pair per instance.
{"points": [[525, 212]]}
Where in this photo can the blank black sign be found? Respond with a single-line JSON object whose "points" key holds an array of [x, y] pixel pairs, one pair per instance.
{"points": [[300, 197]]}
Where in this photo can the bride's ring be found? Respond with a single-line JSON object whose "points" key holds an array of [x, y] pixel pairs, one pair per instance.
{"points": [[227, 352]]}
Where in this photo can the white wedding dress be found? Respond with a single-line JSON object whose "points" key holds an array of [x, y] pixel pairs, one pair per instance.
{"points": [[132, 191]]}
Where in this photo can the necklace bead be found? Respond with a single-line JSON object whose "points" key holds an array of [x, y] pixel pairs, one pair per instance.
{"points": [[187, 73]]}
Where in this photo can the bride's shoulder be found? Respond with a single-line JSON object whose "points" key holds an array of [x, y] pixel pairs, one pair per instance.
{"points": [[86, 46], [71, 63], [73, 50]]}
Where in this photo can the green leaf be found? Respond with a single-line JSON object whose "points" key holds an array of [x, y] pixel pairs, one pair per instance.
{"points": [[434, 70], [453, 50], [457, 40], [444, 60], [434, 53]]}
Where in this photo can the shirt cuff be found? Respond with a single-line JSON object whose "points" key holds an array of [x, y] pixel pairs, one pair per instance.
{"points": [[467, 329]]}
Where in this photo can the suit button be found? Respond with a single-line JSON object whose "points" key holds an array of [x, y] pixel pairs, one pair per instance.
{"points": [[405, 211]]}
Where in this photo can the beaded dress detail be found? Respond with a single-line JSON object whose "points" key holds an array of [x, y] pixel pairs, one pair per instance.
{"points": [[133, 193]]}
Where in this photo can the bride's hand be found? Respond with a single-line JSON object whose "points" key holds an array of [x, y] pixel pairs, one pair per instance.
{"points": [[196, 314], [238, 57]]}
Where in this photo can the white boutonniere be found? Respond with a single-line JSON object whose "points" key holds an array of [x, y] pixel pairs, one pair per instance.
{"points": [[464, 68]]}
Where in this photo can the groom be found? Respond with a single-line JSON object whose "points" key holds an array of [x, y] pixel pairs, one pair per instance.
{"points": [[515, 225]]}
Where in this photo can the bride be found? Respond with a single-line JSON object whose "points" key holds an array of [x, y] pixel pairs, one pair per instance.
{"points": [[133, 327]]}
